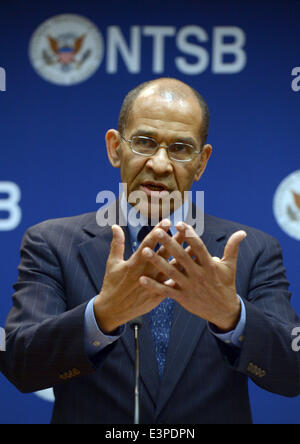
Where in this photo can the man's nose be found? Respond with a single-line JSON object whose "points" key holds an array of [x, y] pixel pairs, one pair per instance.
{"points": [[160, 161]]}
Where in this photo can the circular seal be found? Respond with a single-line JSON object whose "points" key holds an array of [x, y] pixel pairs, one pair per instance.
{"points": [[286, 205], [66, 49]]}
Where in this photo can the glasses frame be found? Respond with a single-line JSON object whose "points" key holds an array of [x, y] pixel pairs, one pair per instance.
{"points": [[129, 141]]}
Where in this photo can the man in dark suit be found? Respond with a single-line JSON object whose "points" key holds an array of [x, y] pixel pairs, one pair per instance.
{"points": [[215, 308]]}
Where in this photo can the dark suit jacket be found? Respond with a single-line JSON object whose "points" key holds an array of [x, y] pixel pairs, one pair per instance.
{"points": [[205, 381]]}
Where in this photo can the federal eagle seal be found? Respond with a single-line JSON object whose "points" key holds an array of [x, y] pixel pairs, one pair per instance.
{"points": [[66, 49]]}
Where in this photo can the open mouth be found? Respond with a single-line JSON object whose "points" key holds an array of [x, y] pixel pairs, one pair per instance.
{"points": [[154, 187]]}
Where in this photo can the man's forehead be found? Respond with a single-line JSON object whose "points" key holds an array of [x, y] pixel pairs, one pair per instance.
{"points": [[165, 105], [165, 101], [168, 91]]}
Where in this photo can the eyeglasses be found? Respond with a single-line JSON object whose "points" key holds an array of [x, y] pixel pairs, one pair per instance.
{"points": [[146, 146]]}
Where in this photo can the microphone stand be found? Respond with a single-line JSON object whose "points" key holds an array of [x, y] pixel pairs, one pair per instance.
{"points": [[136, 325]]}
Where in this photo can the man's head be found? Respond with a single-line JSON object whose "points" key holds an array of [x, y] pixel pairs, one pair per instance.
{"points": [[168, 111], [176, 91]]}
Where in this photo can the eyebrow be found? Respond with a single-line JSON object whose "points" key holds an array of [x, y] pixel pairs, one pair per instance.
{"points": [[153, 134]]}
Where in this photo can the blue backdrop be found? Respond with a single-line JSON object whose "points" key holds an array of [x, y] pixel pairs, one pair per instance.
{"points": [[239, 55]]}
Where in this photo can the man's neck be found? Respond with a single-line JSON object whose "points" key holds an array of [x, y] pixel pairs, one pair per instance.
{"points": [[131, 214]]}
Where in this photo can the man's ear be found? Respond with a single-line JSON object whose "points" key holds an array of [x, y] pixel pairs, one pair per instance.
{"points": [[205, 155], [113, 140]]}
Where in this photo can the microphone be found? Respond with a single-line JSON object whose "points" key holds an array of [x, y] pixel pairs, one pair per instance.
{"points": [[136, 322], [136, 325]]}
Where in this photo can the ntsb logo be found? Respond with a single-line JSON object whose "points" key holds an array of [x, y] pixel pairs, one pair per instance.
{"points": [[68, 49]]}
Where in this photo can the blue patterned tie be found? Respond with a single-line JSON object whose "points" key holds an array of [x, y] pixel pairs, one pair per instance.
{"points": [[160, 319], [160, 322]]}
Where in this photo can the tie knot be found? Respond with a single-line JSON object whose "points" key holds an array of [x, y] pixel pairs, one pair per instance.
{"points": [[146, 230], [143, 232]]}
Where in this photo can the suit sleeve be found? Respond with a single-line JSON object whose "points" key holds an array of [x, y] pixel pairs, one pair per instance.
{"points": [[267, 356], [45, 339]]}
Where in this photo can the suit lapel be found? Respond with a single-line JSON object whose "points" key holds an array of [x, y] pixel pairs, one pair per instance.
{"points": [[95, 252]]}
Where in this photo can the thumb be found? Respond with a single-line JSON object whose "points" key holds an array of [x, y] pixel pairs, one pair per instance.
{"points": [[232, 247], [117, 244]]}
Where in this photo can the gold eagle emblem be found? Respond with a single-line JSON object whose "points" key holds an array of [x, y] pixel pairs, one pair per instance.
{"points": [[76, 47], [66, 53]]}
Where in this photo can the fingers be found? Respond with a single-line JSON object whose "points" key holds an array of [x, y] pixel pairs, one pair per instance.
{"points": [[198, 249], [172, 273], [175, 249], [232, 247], [170, 247], [165, 291], [170, 283], [163, 252], [117, 244], [152, 239]]}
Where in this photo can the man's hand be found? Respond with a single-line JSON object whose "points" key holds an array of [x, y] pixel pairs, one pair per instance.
{"points": [[203, 285], [122, 297]]}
